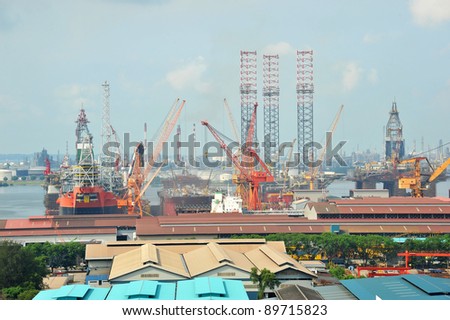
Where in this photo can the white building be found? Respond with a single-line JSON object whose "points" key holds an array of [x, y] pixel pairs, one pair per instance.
{"points": [[6, 173]]}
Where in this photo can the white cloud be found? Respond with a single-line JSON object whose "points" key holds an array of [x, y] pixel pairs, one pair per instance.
{"points": [[372, 76], [371, 38], [77, 96], [430, 12], [351, 76], [190, 76], [281, 48]]}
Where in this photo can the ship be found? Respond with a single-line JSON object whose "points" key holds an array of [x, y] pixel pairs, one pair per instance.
{"points": [[86, 188], [174, 202]]}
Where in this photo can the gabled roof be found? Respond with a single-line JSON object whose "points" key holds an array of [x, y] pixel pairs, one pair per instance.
{"points": [[207, 257], [145, 256], [275, 261], [213, 256]]}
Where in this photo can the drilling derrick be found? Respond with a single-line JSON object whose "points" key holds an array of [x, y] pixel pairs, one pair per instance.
{"points": [[305, 92], [395, 144], [107, 161], [271, 96], [85, 151], [248, 90]]}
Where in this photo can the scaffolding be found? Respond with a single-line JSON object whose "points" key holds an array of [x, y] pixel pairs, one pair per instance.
{"points": [[248, 90], [305, 93], [271, 96]]}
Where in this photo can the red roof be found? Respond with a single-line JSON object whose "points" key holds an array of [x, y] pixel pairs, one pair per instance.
{"points": [[393, 201], [394, 205], [214, 224]]}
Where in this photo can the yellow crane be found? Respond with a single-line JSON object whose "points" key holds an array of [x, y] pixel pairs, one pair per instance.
{"points": [[414, 182]]}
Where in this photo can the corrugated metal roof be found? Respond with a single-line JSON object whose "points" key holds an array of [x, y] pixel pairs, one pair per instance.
{"points": [[429, 284], [142, 290], [211, 288], [335, 292], [398, 288], [264, 225], [296, 292], [73, 292]]}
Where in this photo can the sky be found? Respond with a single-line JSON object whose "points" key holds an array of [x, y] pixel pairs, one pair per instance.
{"points": [[55, 56]]}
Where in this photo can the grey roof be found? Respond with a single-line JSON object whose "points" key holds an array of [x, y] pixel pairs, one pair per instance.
{"points": [[405, 287], [335, 292], [295, 292]]}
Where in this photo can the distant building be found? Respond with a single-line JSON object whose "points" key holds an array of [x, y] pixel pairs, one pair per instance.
{"points": [[8, 174], [41, 157]]}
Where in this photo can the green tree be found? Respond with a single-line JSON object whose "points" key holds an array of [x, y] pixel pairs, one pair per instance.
{"points": [[60, 255], [329, 242], [339, 273], [264, 279], [19, 267]]}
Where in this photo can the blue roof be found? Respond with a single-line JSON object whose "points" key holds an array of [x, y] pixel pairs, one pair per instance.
{"points": [[211, 288], [196, 289], [73, 292], [430, 285], [404, 287], [142, 290]]}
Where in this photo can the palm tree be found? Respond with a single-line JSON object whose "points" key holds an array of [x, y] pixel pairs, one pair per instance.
{"points": [[264, 279]]}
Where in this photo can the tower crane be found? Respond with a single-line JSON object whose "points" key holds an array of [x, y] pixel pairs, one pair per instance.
{"points": [[248, 180], [138, 181], [414, 182]]}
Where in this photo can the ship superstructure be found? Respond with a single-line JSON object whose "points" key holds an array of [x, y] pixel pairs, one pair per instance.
{"points": [[83, 188]]}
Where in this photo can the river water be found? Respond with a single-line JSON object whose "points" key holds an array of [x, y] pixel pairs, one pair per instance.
{"points": [[28, 200]]}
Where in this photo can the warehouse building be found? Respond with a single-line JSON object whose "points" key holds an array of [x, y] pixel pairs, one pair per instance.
{"points": [[176, 260]]}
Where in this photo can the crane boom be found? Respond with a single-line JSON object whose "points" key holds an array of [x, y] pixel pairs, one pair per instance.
{"points": [[136, 178], [249, 180], [439, 170], [415, 182], [232, 122], [218, 136], [315, 170], [168, 127]]}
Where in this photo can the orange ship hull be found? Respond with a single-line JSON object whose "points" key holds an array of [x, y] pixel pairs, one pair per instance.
{"points": [[88, 200]]}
